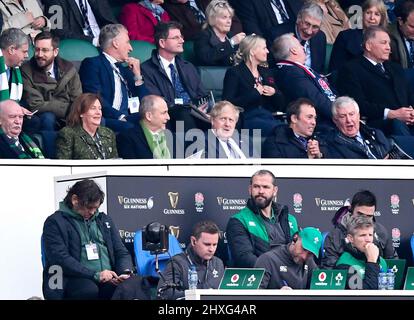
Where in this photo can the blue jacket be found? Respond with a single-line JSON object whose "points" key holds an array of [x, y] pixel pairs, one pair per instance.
{"points": [[158, 83], [347, 46], [97, 76], [62, 246]]}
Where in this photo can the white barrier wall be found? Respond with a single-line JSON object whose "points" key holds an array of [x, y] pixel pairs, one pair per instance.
{"points": [[27, 198]]}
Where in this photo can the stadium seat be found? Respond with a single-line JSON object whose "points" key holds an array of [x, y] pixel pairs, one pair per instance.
{"points": [[141, 50], [188, 53], [328, 56], [75, 50], [212, 79], [322, 253], [145, 261], [412, 245]]}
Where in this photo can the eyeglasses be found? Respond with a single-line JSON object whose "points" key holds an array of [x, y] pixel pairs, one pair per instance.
{"points": [[43, 50], [176, 38], [308, 25], [221, 4]]}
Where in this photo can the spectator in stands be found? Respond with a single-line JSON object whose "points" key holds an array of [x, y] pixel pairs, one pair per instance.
{"points": [[362, 259], [191, 14], [308, 24], [251, 85], [353, 139], [86, 245], [26, 15], [298, 81], [402, 38], [334, 19], [216, 45], [83, 137], [200, 254], [261, 225], [290, 266], [141, 18], [166, 74], [223, 141], [268, 18], [297, 139], [120, 86], [348, 44], [50, 83], [363, 203], [148, 140], [15, 144], [82, 19], [379, 86], [14, 45]]}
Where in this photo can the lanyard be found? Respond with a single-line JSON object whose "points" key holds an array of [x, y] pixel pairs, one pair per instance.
{"points": [[122, 80], [99, 146]]}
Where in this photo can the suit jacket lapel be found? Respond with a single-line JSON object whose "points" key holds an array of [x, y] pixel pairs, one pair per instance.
{"points": [[269, 9], [78, 15], [110, 72]]}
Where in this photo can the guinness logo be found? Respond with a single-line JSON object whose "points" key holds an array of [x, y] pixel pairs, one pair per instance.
{"points": [[175, 231], [173, 199], [121, 200]]}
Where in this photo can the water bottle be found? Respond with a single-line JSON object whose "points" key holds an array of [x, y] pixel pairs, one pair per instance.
{"points": [[382, 280], [192, 278], [391, 279]]}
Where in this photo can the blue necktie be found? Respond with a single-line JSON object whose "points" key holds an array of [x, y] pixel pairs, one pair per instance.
{"points": [[233, 154], [178, 86], [411, 45], [303, 141]]}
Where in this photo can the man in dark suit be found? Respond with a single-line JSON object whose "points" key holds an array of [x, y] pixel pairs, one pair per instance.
{"points": [[268, 18], [296, 140], [118, 85], [313, 40], [296, 80], [149, 139], [379, 86], [82, 19], [353, 139], [166, 74]]}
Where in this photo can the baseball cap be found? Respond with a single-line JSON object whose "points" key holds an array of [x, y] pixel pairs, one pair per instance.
{"points": [[311, 240]]}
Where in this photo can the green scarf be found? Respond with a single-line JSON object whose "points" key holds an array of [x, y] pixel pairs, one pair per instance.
{"points": [[31, 149], [16, 90], [158, 146]]}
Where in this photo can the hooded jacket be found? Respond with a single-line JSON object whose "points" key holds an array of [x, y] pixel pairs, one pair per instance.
{"points": [[335, 243]]}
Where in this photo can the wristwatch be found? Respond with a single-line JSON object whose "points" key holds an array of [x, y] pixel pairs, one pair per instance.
{"points": [[138, 78]]}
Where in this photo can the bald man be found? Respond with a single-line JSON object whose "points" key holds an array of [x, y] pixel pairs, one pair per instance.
{"points": [[15, 144]]}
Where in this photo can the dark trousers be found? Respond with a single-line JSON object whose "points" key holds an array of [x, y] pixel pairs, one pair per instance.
{"points": [[86, 289]]}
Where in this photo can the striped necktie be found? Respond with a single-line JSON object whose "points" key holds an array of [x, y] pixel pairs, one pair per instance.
{"points": [[180, 92]]}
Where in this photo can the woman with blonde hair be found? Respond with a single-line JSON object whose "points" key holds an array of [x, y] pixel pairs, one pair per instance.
{"points": [[216, 44], [84, 137], [250, 85], [348, 44]]}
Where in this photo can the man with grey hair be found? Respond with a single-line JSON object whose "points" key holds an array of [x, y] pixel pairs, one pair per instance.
{"points": [[379, 86], [149, 139], [296, 80], [353, 139], [14, 49], [120, 86], [308, 31], [14, 144]]}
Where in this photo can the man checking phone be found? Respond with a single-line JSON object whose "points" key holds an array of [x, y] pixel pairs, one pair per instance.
{"points": [[85, 258], [116, 77]]}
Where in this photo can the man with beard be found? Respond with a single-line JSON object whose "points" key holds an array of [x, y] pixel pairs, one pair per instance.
{"points": [[50, 83], [261, 225], [290, 266]]}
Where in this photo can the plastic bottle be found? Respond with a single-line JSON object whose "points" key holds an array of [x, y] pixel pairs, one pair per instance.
{"points": [[390, 279], [192, 278], [382, 280]]}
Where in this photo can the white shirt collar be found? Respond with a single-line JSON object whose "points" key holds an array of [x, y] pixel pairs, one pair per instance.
{"points": [[110, 58], [165, 63], [372, 61]]}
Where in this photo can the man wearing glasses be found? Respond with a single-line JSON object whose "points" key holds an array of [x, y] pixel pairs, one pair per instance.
{"points": [[363, 204], [50, 83], [167, 75]]}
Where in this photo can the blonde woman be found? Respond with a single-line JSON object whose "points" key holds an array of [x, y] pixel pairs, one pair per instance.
{"points": [[251, 85], [216, 45]]}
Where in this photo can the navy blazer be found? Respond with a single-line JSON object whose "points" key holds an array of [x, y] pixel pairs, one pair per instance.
{"points": [[132, 144], [257, 16], [347, 46], [372, 90], [97, 76], [295, 83], [318, 52]]}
